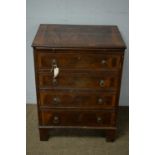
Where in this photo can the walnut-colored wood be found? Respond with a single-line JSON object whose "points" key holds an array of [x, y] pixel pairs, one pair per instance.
{"points": [[44, 134], [76, 99], [85, 94], [79, 80], [77, 118], [78, 61], [65, 36]]}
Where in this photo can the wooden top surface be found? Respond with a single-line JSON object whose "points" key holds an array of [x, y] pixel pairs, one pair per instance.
{"points": [[78, 36]]}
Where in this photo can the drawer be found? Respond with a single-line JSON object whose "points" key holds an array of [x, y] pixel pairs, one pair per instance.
{"points": [[79, 80], [79, 61], [76, 99], [78, 118]]}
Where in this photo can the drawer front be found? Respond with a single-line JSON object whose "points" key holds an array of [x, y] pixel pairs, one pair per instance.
{"points": [[74, 99], [79, 81], [78, 118], [79, 61]]}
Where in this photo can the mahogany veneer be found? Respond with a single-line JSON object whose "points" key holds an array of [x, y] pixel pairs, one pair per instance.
{"points": [[85, 94]]}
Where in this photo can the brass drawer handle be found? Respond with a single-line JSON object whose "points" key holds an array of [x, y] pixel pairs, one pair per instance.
{"points": [[56, 100], [100, 101], [53, 62], [102, 83], [56, 120], [99, 119], [54, 81], [103, 61]]}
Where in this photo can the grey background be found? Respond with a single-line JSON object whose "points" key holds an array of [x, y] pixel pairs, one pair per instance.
{"points": [[95, 12]]}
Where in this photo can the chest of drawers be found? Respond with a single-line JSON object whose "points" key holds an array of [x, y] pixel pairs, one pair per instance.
{"points": [[78, 76]]}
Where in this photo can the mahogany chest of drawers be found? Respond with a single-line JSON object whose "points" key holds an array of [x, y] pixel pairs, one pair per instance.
{"points": [[78, 76]]}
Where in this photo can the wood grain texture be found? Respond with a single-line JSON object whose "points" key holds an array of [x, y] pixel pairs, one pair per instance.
{"points": [[86, 92], [85, 61], [76, 99], [79, 81], [78, 117], [64, 36]]}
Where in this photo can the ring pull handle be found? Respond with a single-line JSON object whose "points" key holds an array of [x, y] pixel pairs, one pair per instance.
{"points": [[99, 119], [56, 100], [100, 101], [103, 61], [102, 83], [56, 120], [54, 81], [54, 62]]}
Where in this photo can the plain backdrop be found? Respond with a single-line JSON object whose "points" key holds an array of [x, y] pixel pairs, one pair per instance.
{"points": [[93, 12]]}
